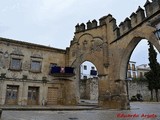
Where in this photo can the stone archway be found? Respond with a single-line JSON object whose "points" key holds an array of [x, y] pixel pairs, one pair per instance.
{"points": [[88, 82], [131, 43], [131, 46], [87, 47], [118, 42]]}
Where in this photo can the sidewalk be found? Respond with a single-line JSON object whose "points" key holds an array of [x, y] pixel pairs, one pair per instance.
{"points": [[53, 108], [83, 105]]}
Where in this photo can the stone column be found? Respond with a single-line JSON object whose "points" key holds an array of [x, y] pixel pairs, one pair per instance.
{"points": [[113, 94]]}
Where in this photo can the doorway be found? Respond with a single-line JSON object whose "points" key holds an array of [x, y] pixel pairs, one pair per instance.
{"points": [[12, 95], [33, 95]]}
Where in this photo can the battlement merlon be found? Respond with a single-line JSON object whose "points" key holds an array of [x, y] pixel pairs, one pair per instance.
{"points": [[93, 24]]}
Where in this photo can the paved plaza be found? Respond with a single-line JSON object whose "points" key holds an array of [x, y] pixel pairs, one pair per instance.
{"points": [[139, 111]]}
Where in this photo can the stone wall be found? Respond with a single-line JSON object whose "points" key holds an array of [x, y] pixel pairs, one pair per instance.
{"points": [[89, 89], [135, 87]]}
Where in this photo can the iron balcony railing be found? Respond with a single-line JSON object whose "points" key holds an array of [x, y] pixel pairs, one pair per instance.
{"points": [[58, 71]]}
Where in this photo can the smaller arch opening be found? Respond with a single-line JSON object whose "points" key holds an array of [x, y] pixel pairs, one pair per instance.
{"points": [[88, 83]]}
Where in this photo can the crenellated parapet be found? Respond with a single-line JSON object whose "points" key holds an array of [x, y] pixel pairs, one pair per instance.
{"points": [[129, 23], [89, 25], [125, 26], [92, 24], [137, 17], [151, 7]]}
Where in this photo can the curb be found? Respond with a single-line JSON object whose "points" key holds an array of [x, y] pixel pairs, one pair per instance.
{"points": [[49, 108]]}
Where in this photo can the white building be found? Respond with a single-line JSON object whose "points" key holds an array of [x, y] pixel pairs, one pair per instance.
{"points": [[136, 71], [142, 69], [88, 70], [132, 71]]}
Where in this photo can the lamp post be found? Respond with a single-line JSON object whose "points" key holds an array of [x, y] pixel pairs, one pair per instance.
{"points": [[127, 79]]}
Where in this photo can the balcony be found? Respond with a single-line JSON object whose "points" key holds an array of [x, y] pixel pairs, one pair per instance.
{"points": [[58, 71], [93, 72]]}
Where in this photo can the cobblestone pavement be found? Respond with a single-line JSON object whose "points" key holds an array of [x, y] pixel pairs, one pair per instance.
{"points": [[139, 111]]}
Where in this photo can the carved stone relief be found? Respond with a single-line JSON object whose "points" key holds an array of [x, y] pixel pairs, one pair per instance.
{"points": [[14, 75], [6, 54], [37, 53], [17, 50], [34, 76], [26, 65], [6, 59], [85, 43], [97, 45], [1, 61]]}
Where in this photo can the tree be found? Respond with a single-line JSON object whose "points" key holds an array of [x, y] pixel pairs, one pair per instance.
{"points": [[153, 76], [149, 77]]}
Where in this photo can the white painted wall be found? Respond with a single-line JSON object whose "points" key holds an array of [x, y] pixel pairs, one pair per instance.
{"points": [[87, 72]]}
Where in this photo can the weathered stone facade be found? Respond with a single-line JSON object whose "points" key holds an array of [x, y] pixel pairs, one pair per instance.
{"points": [[25, 77], [107, 45]]}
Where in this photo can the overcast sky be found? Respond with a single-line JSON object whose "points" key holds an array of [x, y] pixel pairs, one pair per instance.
{"points": [[52, 22]]}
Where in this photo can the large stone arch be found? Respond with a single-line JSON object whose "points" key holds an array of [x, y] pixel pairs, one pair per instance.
{"points": [[137, 36], [119, 42]]}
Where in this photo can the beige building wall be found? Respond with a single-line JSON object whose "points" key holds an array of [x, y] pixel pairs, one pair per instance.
{"points": [[24, 77]]}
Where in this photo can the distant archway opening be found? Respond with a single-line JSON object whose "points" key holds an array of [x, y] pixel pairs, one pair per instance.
{"points": [[88, 83]]}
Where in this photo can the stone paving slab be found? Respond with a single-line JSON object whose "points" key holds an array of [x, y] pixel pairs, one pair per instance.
{"points": [[141, 111]]}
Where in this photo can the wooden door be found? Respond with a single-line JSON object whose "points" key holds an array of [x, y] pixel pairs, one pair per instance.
{"points": [[11, 95], [52, 96], [33, 95]]}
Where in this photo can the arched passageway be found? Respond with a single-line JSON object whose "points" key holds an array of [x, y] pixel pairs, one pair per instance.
{"points": [[136, 70], [88, 83]]}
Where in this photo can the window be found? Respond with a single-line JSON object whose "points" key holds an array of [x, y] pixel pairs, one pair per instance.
{"points": [[129, 67], [85, 67], [35, 66], [15, 64], [134, 74], [141, 75], [133, 67], [92, 68], [129, 74]]}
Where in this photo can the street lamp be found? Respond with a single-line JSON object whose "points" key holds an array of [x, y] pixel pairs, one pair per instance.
{"points": [[127, 79]]}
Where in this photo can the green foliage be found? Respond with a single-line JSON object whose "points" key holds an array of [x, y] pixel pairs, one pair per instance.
{"points": [[150, 79], [154, 65], [139, 80], [153, 76]]}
